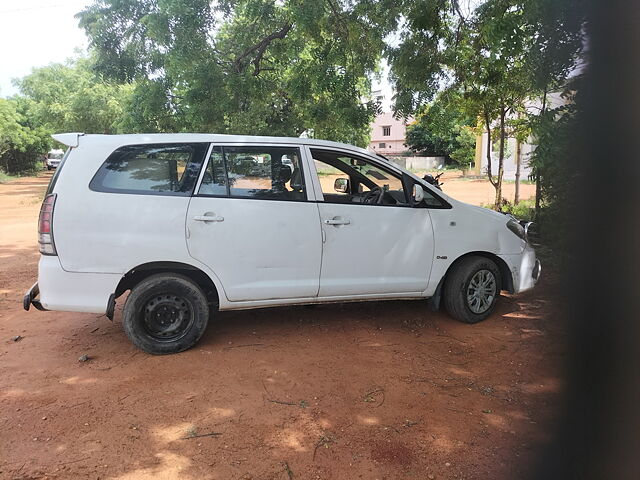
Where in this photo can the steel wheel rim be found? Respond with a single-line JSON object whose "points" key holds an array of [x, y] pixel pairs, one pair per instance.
{"points": [[167, 317], [481, 291]]}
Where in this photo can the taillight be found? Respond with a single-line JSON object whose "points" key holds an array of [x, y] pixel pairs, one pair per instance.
{"points": [[45, 230]]}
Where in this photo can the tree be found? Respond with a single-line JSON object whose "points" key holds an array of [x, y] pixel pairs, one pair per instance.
{"points": [[20, 141], [243, 66], [554, 60], [555, 164], [442, 128], [10, 128], [520, 130], [70, 97], [492, 54]]}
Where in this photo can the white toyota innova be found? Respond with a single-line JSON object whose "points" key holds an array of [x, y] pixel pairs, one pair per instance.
{"points": [[194, 223]]}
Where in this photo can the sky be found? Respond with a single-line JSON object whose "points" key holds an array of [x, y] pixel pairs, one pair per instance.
{"points": [[34, 33]]}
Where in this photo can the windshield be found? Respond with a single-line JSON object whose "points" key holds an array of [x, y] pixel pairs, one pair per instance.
{"points": [[55, 156]]}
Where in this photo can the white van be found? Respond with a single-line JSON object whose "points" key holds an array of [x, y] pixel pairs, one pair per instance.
{"points": [[53, 159], [194, 223]]}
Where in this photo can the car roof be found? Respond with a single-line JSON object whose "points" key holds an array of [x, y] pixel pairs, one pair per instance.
{"points": [[74, 139]]}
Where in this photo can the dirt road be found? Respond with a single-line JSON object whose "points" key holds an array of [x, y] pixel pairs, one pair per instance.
{"points": [[372, 391]]}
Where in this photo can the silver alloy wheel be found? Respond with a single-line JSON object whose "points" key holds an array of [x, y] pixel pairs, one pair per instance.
{"points": [[481, 291]]}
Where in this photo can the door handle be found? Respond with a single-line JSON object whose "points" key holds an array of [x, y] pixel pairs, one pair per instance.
{"points": [[208, 218], [337, 221]]}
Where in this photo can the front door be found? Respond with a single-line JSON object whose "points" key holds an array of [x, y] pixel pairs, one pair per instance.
{"points": [[251, 223], [376, 243]]}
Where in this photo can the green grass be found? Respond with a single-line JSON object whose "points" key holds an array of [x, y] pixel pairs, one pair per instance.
{"points": [[522, 181], [6, 178]]}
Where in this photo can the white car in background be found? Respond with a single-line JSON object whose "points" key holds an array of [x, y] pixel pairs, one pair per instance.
{"points": [[54, 157], [187, 226]]}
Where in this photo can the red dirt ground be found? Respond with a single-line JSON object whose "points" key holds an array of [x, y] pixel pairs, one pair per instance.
{"points": [[385, 390]]}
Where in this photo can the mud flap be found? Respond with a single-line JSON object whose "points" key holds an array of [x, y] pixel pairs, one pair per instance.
{"points": [[434, 301], [111, 306], [30, 299]]}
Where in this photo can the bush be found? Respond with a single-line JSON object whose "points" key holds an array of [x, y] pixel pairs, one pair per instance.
{"points": [[15, 162], [524, 210], [21, 144]]}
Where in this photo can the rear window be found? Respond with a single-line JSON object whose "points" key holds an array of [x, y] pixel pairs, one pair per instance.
{"points": [[151, 169], [265, 172]]}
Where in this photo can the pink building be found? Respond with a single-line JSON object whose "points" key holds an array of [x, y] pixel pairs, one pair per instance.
{"points": [[388, 134]]}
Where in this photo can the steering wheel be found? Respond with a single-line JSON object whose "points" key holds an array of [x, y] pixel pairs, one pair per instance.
{"points": [[374, 196]]}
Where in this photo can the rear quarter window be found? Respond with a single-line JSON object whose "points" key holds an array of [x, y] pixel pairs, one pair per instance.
{"points": [[151, 169]]}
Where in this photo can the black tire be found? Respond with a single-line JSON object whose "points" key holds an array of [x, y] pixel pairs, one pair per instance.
{"points": [[48, 167], [165, 313], [457, 288]]}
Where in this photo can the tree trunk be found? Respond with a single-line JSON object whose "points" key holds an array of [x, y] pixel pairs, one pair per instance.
{"points": [[516, 196], [487, 123], [537, 170], [498, 182]]}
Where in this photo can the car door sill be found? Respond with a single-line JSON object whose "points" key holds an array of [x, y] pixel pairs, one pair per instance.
{"points": [[279, 302]]}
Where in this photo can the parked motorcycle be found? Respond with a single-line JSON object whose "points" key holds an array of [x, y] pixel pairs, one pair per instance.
{"points": [[435, 181]]}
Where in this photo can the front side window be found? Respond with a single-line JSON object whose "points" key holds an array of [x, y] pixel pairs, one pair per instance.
{"points": [[346, 179], [255, 172], [153, 169], [355, 180]]}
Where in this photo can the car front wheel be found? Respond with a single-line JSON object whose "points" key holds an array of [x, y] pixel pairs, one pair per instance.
{"points": [[165, 313], [471, 289]]}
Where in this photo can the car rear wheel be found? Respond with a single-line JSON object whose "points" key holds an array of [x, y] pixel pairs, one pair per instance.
{"points": [[471, 289], [165, 313]]}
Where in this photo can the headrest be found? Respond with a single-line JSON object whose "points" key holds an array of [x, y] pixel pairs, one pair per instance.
{"points": [[284, 174]]}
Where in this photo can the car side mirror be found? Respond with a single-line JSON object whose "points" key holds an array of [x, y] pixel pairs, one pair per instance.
{"points": [[341, 185], [418, 193]]}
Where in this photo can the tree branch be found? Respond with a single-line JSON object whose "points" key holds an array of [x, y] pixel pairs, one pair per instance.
{"points": [[339, 18], [456, 8], [259, 48]]}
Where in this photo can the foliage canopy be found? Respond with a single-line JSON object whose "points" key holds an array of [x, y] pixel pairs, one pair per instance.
{"points": [[498, 55], [442, 128], [242, 66]]}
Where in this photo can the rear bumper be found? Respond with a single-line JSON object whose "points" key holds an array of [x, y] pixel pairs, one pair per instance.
{"points": [[58, 289], [30, 298]]}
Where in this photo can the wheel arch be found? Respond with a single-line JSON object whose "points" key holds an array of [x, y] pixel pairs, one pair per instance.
{"points": [[137, 274], [505, 274]]}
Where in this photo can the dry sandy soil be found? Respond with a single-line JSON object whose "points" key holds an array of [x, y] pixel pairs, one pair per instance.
{"points": [[372, 391]]}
